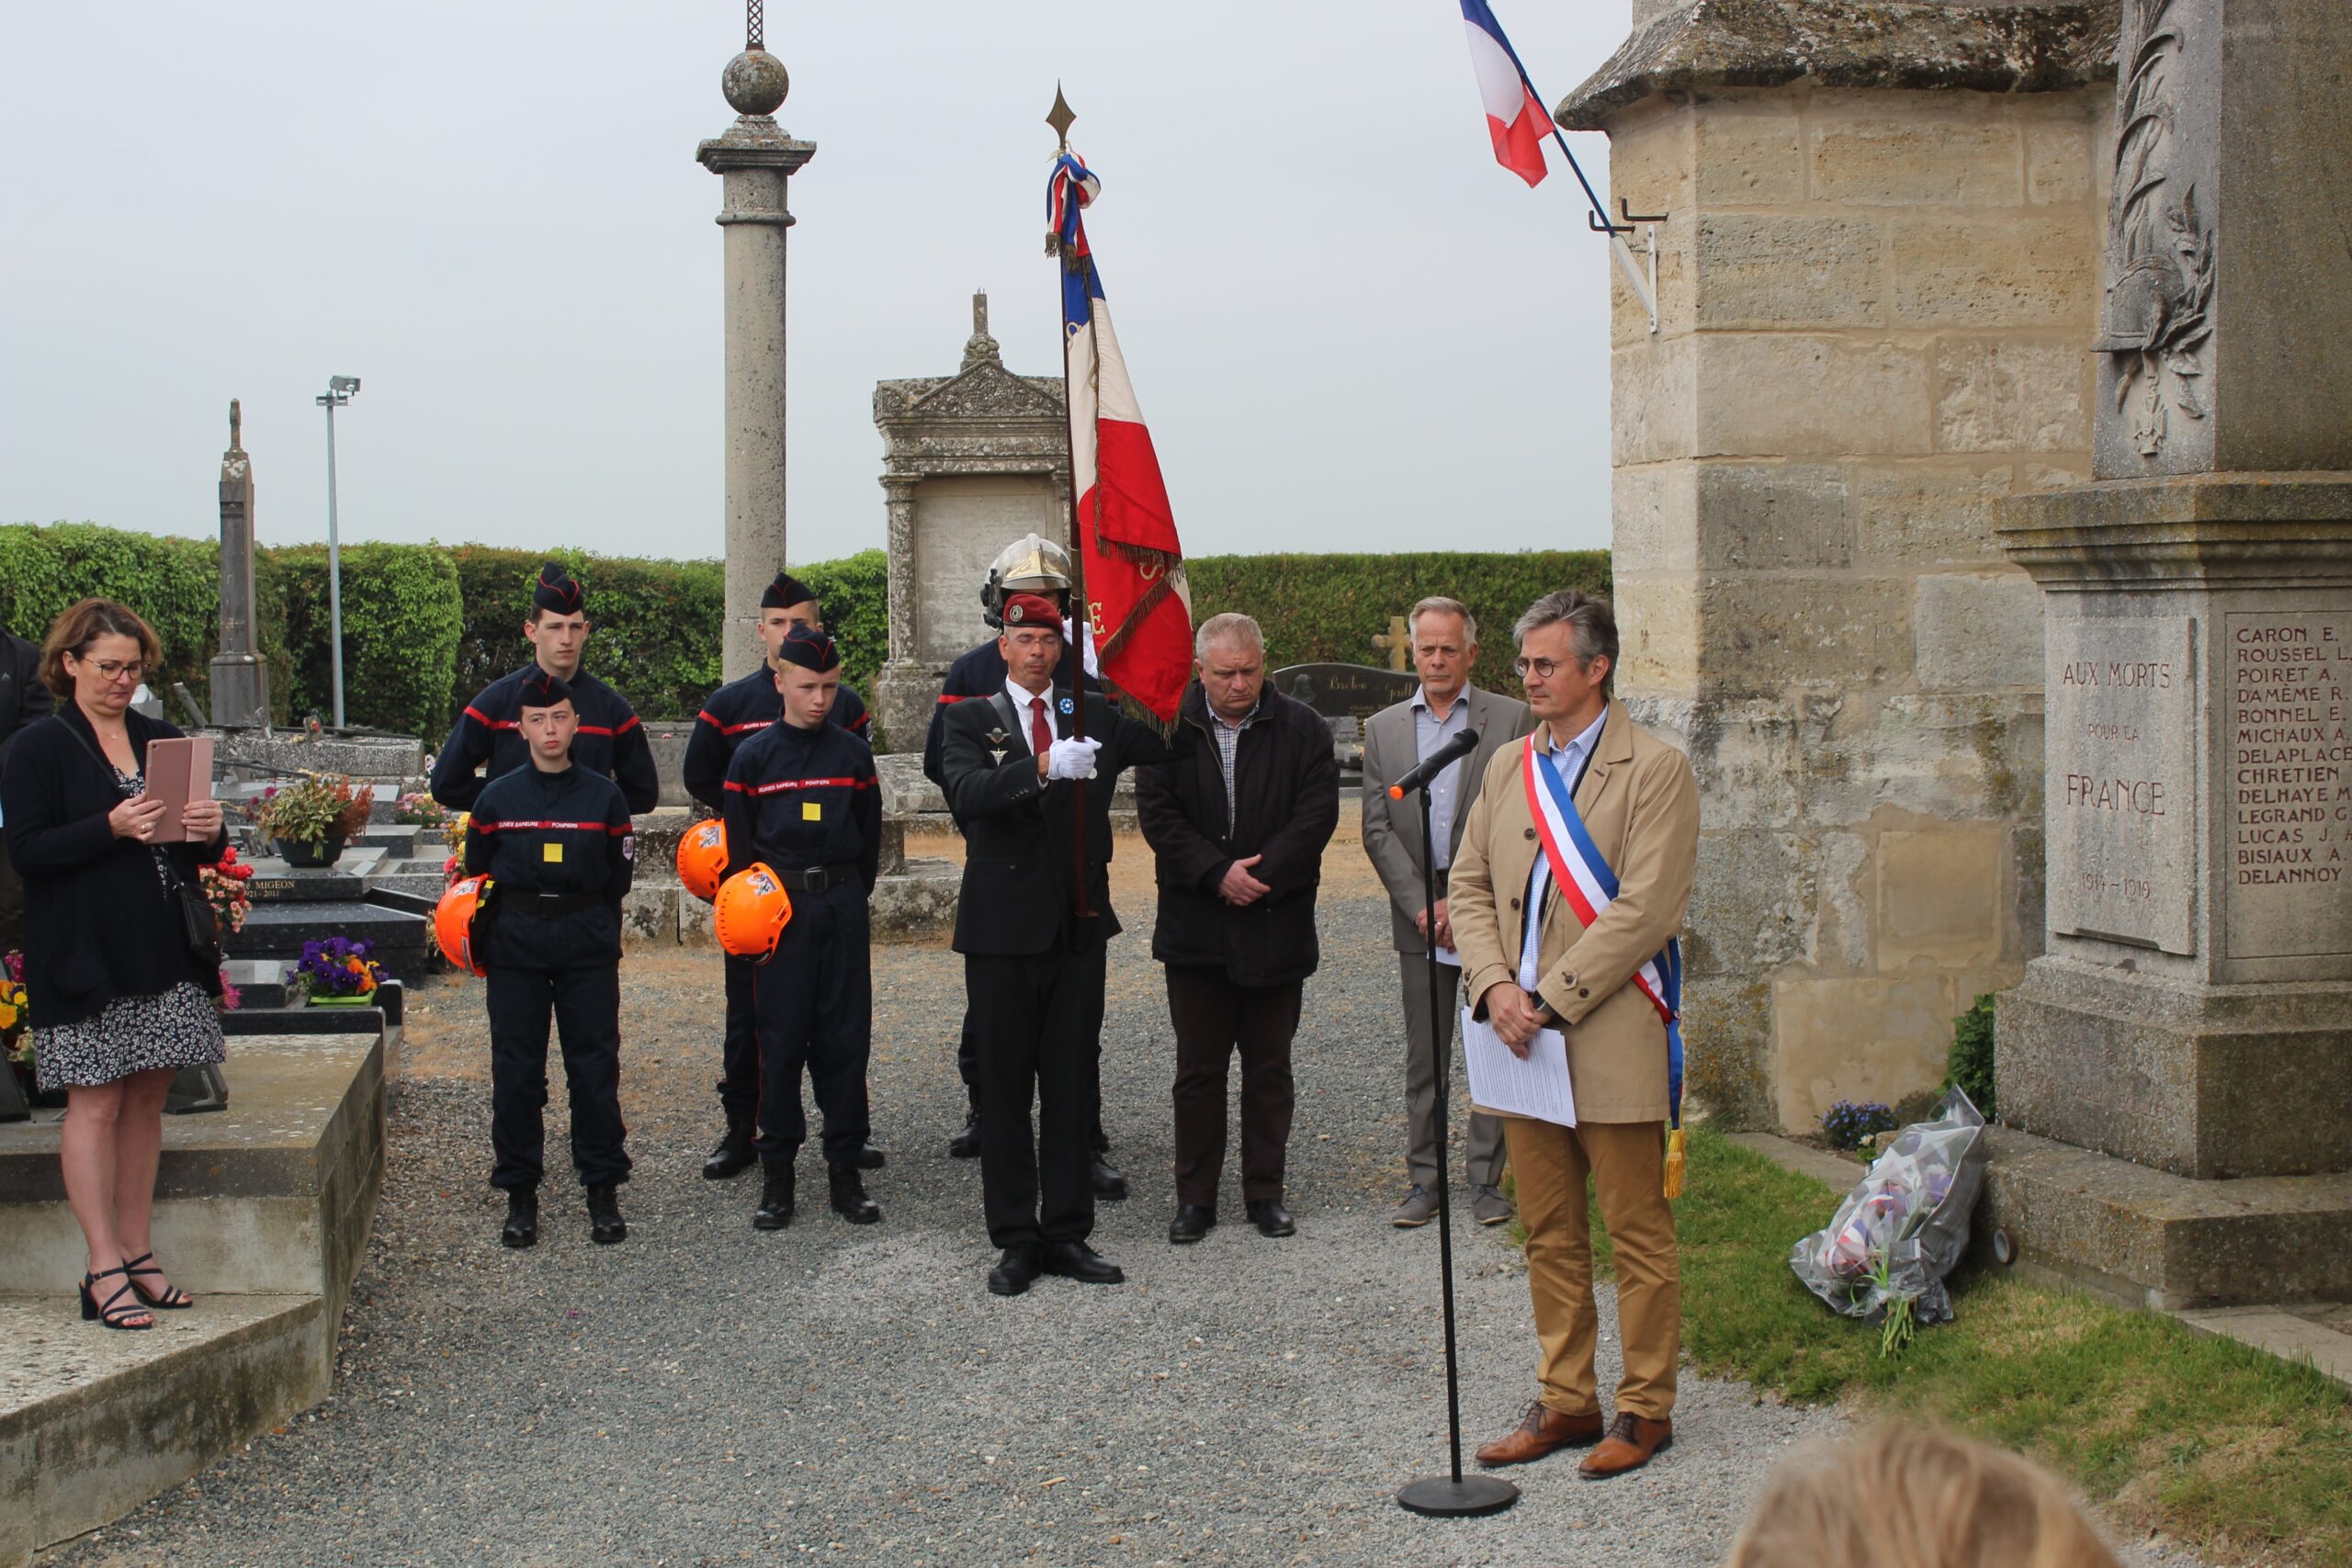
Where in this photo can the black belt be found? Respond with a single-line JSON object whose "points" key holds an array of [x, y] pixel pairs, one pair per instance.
{"points": [[549, 903], [816, 878]]}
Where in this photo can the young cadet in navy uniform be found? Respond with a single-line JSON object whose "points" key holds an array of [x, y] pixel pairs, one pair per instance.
{"points": [[610, 744], [555, 838], [802, 798], [735, 713], [1033, 969], [1028, 565]]}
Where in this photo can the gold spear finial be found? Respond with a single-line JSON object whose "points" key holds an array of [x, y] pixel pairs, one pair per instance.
{"points": [[1061, 116]]}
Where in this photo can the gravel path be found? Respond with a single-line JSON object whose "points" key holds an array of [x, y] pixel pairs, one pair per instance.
{"points": [[706, 1393]]}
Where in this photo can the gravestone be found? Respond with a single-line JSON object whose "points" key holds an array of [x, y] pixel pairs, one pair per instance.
{"points": [[1346, 696], [240, 678], [2191, 1018], [971, 463]]}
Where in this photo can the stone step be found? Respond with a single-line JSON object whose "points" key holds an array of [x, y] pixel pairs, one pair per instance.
{"points": [[398, 841], [191, 1389]]}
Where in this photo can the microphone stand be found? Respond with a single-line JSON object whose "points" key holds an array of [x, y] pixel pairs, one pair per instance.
{"points": [[1453, 1495]]}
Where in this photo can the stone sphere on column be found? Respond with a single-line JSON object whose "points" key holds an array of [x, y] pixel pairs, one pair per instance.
{"points": [[754, 83]]}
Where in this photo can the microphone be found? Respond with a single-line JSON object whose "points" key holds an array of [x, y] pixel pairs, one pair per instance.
{"points": [[1436, 762]]}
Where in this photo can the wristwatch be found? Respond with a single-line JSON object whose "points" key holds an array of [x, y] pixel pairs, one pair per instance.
{"points": [[1543, 1006]]}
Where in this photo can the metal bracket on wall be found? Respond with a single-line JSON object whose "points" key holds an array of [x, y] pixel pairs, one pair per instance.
{"points": [[1645, 287]]}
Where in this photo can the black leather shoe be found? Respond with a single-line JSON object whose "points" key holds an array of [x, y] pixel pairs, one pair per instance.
{"points": [[734, 1156], [1016, 1271], [522, 1227], [966, 1145], [1076, 1261], [604, 1224], [870, 1158], [1270, 1218], [1110, 1185], [1192, 1223], [774, 1211], [850, 1201]]}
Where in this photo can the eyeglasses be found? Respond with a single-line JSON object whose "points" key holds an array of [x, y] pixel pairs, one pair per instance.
{"points": [[1543, 668], [112, 670]]}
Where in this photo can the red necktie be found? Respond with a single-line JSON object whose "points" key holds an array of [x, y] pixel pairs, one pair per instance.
{"points": [[1041, 734]]}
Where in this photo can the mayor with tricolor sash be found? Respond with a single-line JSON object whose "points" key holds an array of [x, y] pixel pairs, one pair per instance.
{"points": [[1590, 827]]}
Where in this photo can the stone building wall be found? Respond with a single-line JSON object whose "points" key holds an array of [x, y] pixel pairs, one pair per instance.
{"points": [[1874, 310]]}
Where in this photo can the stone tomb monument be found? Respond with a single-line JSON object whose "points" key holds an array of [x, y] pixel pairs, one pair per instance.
{"points": [[240, 680], [970, 462], [2182, 1051]]}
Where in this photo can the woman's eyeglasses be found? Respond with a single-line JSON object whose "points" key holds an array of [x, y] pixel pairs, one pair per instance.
{"points": [[112, 670]]}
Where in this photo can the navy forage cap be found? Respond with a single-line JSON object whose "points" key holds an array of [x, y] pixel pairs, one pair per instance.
{"points": [[810, 649], [541, 690], [784, 593], [558, 592]]}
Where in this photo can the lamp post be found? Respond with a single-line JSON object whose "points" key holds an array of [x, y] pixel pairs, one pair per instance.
{"points": [[340, 390]]}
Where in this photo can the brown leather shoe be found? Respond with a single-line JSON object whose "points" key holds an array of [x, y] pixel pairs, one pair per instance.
{"points": [[1542, 1431], [1631, 1441]]}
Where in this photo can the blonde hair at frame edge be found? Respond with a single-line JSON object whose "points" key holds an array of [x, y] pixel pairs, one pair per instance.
{"points": [[1904, 1496]]}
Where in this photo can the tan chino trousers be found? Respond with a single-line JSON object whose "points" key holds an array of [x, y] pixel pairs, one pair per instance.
{"points": [[1627, 1162]]}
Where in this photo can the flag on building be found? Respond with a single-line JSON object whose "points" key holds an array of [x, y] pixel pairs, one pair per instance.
{"points": [[1516, 118], [1137, 601]]}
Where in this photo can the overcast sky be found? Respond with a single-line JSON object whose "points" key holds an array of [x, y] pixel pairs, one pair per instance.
{"points": [[1348, 327]]}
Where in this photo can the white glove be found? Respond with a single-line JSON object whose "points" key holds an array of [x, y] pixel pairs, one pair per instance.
{"points": [[1072, 758]]}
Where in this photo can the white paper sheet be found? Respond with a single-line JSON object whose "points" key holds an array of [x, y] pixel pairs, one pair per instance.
{"points": [[1447, 956], [1499, 1081]]}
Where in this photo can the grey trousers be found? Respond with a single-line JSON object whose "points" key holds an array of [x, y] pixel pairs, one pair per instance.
{"points": [[1482, 1160]]}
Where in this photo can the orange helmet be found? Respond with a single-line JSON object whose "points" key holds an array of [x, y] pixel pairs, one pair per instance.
{"points": [[702, 856], [753, 908], [453, 922]]}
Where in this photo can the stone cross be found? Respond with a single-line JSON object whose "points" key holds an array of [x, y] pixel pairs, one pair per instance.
{"points": [[1396, 642], [240, 679], [980, 348]]}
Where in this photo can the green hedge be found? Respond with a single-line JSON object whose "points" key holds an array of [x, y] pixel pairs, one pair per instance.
{"points": [[174, 583], [400, 621], [1329, 607]]}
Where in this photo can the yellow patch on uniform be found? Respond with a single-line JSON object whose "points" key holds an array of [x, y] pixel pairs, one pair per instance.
{"points": [[551, 851], [811, 812]]}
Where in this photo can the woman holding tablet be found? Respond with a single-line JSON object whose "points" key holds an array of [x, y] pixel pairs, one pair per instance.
{"points": [[120, 1000]]}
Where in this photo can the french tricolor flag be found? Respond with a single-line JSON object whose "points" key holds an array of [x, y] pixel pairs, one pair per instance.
{"points": [[1516, 119]]}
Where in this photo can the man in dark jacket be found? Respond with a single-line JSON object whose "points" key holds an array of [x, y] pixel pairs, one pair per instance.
{"points": [[1238, 829], [23, 699], [555, 840], [487, 742], [1033, 962]]}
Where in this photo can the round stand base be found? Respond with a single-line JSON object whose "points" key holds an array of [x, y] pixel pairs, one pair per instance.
{"points": [[1442, 1496]]}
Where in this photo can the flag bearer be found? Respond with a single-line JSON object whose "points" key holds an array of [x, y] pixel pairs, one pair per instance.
{"points": [[555, 840], [802, 798], [486, 741], [734, 715]]}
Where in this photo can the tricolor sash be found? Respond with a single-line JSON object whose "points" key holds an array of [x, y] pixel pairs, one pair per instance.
{"points": [[1588, 887]]}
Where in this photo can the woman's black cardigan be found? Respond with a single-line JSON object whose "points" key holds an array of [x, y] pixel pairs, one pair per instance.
{"points": [[97, 922]]}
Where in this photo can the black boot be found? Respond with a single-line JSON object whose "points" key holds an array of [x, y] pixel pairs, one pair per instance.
{"points": [[604, 1225], [966, 1145], [850, 1201], [733, 1154], [522, 1227], [774, 1211]]}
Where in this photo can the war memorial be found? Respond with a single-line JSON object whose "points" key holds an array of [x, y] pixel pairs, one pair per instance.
{"points": [[1981, 504]]}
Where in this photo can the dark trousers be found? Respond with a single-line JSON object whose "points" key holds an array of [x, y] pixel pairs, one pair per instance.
{"points": [[739, 1051], [586, 1007], [814, 1010], [1040, 1017], [1213, 1017], [967, 1068]]}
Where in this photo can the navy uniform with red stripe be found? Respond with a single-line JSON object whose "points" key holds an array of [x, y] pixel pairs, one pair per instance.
{"points": [[803, 799], [556, 841], [737, 713], [484, 744]]}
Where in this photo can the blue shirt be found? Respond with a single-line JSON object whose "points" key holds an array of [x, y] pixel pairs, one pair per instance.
{"points": [[1429, 732]]}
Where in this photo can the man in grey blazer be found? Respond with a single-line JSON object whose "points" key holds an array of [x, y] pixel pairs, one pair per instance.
{"points": [[1445, 643]]}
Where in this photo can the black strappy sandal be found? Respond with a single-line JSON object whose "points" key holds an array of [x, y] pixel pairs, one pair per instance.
{"points": [[172, 1300], [111, 1316]]}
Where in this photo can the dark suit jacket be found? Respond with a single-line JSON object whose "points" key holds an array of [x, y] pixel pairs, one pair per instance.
{"points": [[1019, 830], [1392, 828], [23, 698]]}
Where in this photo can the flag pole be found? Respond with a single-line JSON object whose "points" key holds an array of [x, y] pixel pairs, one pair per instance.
{"points": [[1060, 117]]}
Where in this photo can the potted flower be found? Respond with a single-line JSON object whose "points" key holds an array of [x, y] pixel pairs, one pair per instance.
{"points": [[419, 810], [16, 1037], [311, 821], [224, 886], [337, 972]]}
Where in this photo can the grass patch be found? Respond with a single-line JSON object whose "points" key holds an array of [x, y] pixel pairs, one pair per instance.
{"points": [[2205, 1439]]}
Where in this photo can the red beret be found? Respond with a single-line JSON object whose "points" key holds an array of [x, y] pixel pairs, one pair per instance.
{"points": [[1031, 610]]}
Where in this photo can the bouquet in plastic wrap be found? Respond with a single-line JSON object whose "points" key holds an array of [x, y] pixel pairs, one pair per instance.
{"points": [[1882, 1257]]}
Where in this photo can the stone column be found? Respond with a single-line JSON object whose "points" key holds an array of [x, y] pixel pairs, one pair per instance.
{"points": [[240, 680], [1877, 269], [2192, 1015], [756, 159], [906, 689]]}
